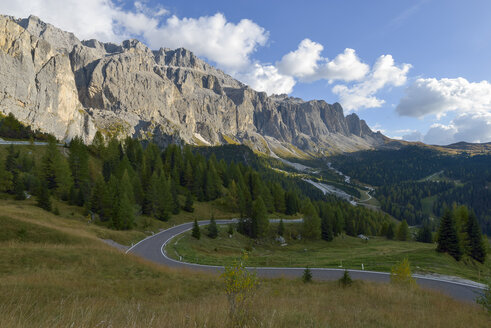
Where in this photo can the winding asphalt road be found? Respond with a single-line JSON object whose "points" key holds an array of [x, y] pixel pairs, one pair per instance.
{"points": [[153, 249]]}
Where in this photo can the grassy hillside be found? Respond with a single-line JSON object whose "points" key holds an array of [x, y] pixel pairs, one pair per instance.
{"points": [[55, 272], [378, 254]]}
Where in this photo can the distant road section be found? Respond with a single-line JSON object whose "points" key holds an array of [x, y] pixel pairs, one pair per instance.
{"points": [[153, 249], [26, 143]]}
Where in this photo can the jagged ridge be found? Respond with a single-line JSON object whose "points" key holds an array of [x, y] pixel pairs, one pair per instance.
{"points": [[69, 87]]}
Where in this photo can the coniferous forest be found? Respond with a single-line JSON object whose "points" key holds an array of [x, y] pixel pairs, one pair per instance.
{"points": [[408, 177], [117, 182]]}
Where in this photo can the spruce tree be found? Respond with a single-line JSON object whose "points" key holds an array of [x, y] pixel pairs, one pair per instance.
{"points": [[196, 233], [44, 200], [326, 229], [476, 245], [5, 177], [390, 231], [176, 205], [403, 231], [311, 227], [425, 235], [260, 220], [188, 205], [19, 187], [281, 228], [212, 228], [448, 238]]}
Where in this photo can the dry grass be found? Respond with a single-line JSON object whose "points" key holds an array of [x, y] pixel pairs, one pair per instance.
{"points": [[64, 277]]}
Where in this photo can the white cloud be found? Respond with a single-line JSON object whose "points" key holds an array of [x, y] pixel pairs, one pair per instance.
{"points": [[302, 62], [267, 78], [378, 127], [225, 43], [229, 45], [362, 95], [87, 19], [433, 96], [307, 64], [413, 136], [469, 127]]}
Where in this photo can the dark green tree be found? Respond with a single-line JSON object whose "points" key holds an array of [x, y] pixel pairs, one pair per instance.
{"points": [[176, 205], [43, 198], [212, 228], [311, 227], [326, 229], [259, 218], [19, 187], [425, 235], [390, 231], [188, 205], [448, 238], [476, 246], [196, 233], [403, 231], [281, 228]]}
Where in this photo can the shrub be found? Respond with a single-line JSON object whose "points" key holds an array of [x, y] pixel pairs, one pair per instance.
{"points": [[485, 300], [401, 273], [345, 280], [240, 285], [307, 275]]}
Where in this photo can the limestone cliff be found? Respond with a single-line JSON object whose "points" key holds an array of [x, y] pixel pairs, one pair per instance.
{"points": [[53, 81]]}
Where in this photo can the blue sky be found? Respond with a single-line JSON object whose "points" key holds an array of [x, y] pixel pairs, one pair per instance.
{"points": [[414, 69]]}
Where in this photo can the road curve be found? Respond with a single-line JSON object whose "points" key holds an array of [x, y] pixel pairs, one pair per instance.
{"points": [[153, 248]]}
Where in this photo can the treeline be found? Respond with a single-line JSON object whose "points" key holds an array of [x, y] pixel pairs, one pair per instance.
{"points": [[475, 194], [459, 235], [116, 181], [403, 200], [11, 128], [386, 167], [321, 219]]}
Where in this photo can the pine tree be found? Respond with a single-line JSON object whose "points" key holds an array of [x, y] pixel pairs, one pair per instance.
{"points": [[233, 196], [350, 227], [425, 235], [19, 187], [176, 205], [390, 231], [260, 220], [326, 229], [44, 200], [448, 238], [477, 247], [311, 227], [5, 177], [403, 231], [212, 228], [188, 206], [281, 228], [196, 233], [307, 275]]}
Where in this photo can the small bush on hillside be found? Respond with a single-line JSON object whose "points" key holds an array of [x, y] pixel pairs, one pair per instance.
{"points": [[485, 300], [345, 280], [401, 273], [307, 275], [240, 285]]}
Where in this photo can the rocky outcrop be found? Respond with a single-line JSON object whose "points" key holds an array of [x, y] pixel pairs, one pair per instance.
{"points": [[53, 81], [37, 84]]}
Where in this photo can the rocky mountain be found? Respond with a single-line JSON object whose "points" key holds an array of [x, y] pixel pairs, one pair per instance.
{"points": [[59, 84]]}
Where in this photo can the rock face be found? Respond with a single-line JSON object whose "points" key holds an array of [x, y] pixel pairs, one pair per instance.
{"points": [[53, 81]]}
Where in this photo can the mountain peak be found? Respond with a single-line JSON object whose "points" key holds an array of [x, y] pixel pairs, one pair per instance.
{"points": [[166, 95]]}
